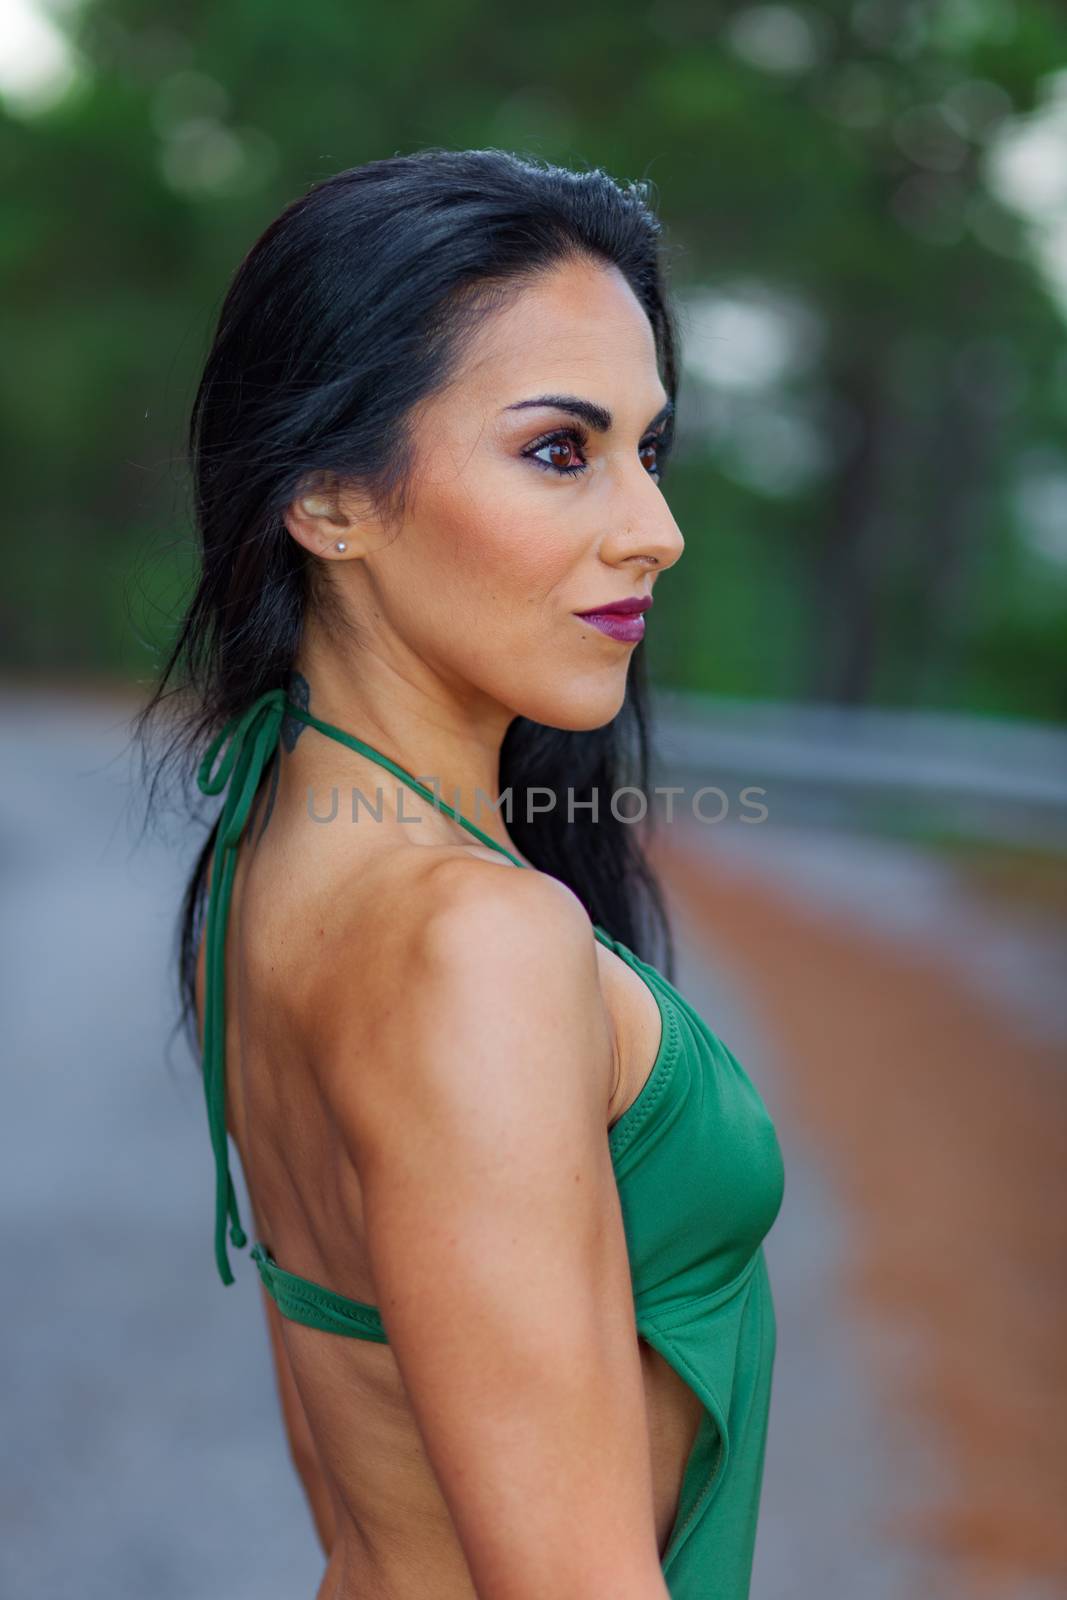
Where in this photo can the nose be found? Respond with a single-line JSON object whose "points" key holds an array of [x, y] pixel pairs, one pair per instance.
{"points": [[644, 528]]}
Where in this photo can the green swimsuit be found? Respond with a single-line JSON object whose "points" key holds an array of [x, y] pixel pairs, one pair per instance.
{"points": [[700, 1180]]}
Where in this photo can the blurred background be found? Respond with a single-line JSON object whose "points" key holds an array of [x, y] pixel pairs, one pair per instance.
{"points": [[865, 204]]}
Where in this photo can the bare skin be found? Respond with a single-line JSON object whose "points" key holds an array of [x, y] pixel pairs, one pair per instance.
{"points": [[461, 619]]}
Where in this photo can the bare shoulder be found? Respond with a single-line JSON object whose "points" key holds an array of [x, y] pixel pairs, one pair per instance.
{"points": [[520, 926], [487, 986]]}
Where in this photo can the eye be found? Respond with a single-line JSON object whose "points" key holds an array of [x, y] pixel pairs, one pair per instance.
{"points": [[568, 441], [659, 445]]}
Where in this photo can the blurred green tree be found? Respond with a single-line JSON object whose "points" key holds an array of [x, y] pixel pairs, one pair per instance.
{"points": [[875, 391]]}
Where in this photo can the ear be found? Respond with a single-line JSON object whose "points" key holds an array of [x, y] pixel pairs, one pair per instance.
{"points": [[316, 517]]}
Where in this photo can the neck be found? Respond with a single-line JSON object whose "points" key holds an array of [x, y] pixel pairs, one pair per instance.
{"points": [[453, 750]]}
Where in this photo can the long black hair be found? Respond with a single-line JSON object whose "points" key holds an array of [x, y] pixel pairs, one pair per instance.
{"points": [[355, 304]]}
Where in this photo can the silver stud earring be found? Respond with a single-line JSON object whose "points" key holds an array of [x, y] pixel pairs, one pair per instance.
{"points": [[341, 545]]}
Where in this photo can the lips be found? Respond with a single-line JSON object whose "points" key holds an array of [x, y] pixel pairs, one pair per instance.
{"points": [[621, 621], [619, 608]]}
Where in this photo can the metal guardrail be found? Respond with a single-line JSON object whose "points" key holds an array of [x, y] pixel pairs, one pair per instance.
{"points": [[976, 776]]}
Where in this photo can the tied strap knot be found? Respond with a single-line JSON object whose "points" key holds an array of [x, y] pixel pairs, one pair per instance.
{"points": [[246, 741], [246, 744]]}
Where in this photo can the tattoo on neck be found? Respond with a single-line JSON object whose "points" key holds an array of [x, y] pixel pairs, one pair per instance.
{"points": [[275, 770], [299, 692]]}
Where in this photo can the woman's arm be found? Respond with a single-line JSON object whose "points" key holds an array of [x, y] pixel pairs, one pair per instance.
{"points": [[301, 1444], [495, 1235]]}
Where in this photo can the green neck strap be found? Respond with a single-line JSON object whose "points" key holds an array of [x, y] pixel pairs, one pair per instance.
{"points": [[248, 742]]}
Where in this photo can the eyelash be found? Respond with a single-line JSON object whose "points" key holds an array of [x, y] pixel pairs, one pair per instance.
{"points": [[579, 438]]}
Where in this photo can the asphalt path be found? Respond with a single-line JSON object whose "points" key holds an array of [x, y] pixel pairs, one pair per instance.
{"points": [[143, 1452]]}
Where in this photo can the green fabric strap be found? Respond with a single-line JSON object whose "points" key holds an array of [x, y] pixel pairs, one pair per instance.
{"points": [[309, 1303], [247, 743]]}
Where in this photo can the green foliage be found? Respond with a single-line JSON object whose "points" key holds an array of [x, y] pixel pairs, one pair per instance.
{"points": [[834, 178]]}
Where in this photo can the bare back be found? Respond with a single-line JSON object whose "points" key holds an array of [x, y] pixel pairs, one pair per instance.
{"points": [[313, 909]]}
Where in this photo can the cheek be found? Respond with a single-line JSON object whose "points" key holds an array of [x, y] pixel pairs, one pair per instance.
{"points": [[500, 555], [483, 593]]}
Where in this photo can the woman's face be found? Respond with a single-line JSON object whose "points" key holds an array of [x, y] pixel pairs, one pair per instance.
{"points": [[522, 515]]}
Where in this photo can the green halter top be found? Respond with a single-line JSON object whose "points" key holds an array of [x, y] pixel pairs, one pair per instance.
{"points": [[700, 1178]]}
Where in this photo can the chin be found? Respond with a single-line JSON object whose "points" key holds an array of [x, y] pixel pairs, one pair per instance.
{"points": [[578, 707]]}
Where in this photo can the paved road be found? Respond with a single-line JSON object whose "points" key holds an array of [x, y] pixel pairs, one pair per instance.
{"points": [[143, 1448], [833, 1467], [143, 1452], [917, 1027]]}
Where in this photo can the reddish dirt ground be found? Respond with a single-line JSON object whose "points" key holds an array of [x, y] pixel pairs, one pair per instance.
{"points": [[945, 1125]]}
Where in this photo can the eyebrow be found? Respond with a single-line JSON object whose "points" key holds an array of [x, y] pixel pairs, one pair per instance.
{"points": [[598, 417]]}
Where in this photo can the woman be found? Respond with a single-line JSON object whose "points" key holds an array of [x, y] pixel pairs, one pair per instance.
{"points": [[508, 1190]]}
